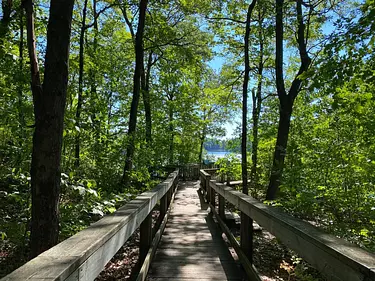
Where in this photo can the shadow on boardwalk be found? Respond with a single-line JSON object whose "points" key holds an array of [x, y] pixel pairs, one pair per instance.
{"points": [[192, 247]]}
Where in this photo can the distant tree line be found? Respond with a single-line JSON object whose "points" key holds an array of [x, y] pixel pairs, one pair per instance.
{"points": [[214, 144]]}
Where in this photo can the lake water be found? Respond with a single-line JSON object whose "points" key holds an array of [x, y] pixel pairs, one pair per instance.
{"points": [[219, 154]]}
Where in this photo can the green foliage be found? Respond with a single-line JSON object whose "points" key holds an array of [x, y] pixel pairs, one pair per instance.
{"points": [[82, 202], [230, 167], [330, 160]]}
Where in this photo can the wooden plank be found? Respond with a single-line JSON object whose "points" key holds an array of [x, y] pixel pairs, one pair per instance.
{"points": [[82, 256], [192, 245], [193, 253], [188, 279], [334, 257], [208, 270], [155, 242], [251, 271], [145, 237], [234, 183], [247, 236], [222, 207]]}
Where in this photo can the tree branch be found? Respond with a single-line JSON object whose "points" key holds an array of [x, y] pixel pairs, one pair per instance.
{"points": [[227, 19], [87, 26]]}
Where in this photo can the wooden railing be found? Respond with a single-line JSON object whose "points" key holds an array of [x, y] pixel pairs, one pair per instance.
{"points": [[335, 258], [84, 255]]}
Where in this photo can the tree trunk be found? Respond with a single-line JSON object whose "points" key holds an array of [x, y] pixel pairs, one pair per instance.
{"points": [[146, 98], [286, 100], [7, 6], [80, 86], [49, 105], [171, 135], [245, 188], [201, 150], [93, 77], [246, 222], [136, 92], [20, 83], [280, 152], [257, 105]]}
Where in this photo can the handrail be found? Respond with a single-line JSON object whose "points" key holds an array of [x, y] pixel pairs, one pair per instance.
{"points": [[334, 257], [84, 255]]}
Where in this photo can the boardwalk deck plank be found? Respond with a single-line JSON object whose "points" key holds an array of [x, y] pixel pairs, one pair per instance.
{"points": [[192, 247]]}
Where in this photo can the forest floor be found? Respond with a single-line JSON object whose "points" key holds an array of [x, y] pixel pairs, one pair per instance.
{"points": [[274, 261]]}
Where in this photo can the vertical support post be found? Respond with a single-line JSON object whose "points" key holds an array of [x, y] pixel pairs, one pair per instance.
{"points": [[169, 196], [163, 206], [247, 236], [212, 197], [222, 207], [145, 237], [208, 188]]}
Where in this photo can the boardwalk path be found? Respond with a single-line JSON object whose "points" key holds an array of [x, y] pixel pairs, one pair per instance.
{"points": [[192, 247]]}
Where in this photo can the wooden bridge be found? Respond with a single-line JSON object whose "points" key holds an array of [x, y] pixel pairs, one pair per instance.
{"points": [[187, 242]]}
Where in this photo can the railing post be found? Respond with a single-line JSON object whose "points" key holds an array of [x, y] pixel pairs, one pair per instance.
{"points": [[169, 196], [145, 236], [247, 236], [163, 205], [208, 188], [212, 197], [203, 182], [222, 207]]}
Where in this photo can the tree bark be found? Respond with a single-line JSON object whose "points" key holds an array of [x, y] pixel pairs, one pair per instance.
{"points": [[201, 150], [7, 6], [171, 135], [20, 84], [146, 98], [244, 99], [286, 100], [257, 105], [93, 76], [280, 152], [80, 86], [136, 92], [49, 105], [246, 222]]}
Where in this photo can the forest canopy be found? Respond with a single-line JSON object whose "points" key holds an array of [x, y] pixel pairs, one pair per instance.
{"points": [[97, 96]]}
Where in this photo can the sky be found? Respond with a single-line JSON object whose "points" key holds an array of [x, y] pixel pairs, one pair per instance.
{"points": [[216, 63]]}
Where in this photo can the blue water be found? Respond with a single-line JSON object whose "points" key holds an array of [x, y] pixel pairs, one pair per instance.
{"points": [[217, 154]]}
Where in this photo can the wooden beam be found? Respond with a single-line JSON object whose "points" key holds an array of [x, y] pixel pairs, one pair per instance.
{"points": [[155, 242], [334, 257], [145, 237], [222, 207], [84, 255], [234, 183], [250, 270], [247, 236]]}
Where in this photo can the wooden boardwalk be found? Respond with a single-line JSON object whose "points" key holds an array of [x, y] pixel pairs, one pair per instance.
{"points": [[192, 247]]}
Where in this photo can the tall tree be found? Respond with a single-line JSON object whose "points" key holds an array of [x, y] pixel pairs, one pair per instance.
{"points": [[261, 57], [246, 222], [286, 99], [7, 6], [49, 105], [80, 83], [245, 188], [139, 52]]}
